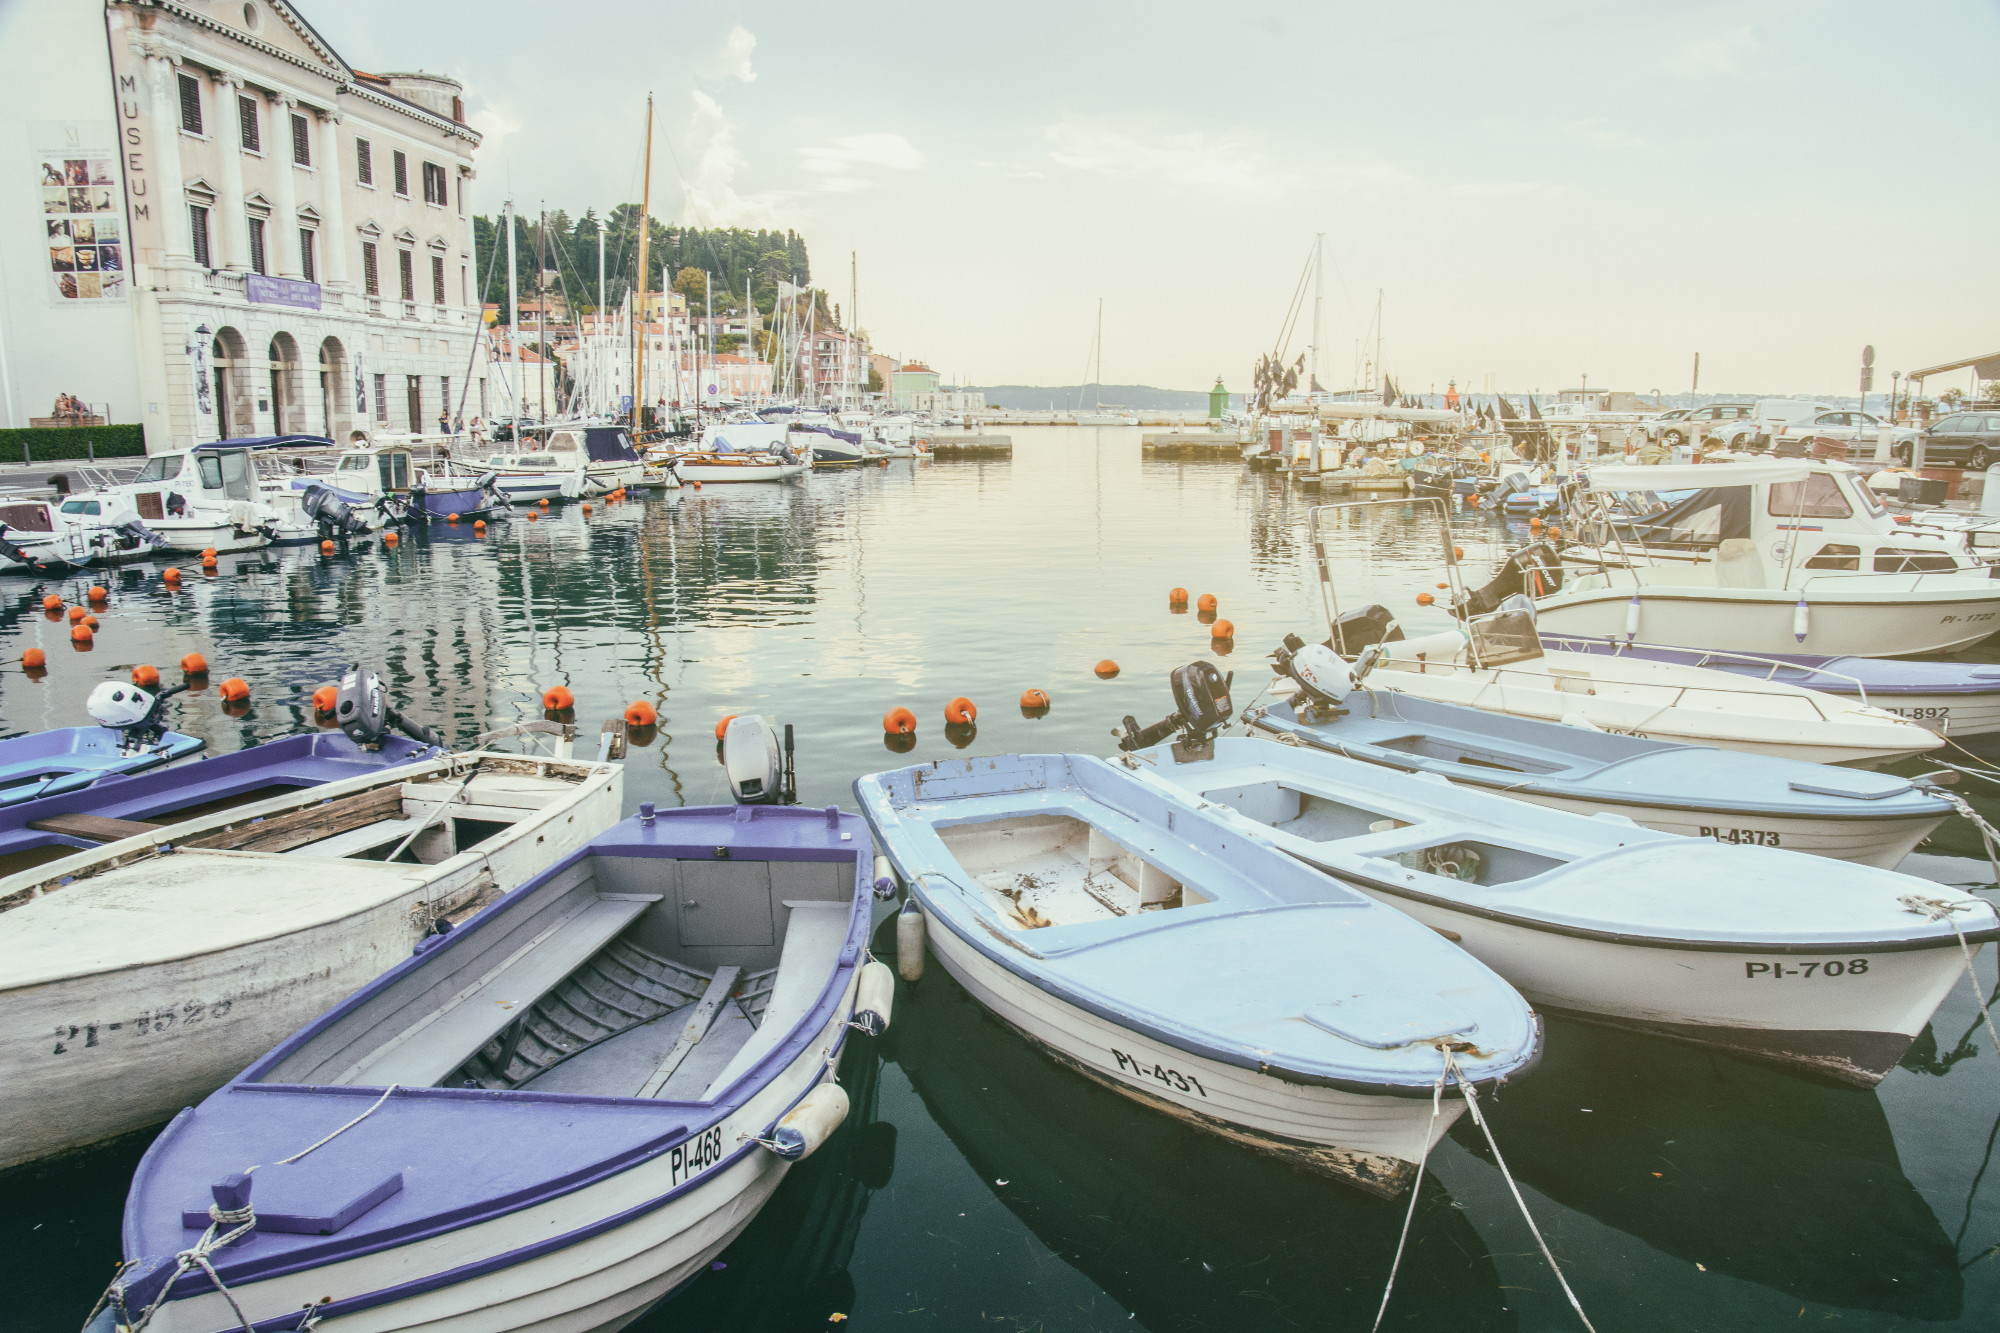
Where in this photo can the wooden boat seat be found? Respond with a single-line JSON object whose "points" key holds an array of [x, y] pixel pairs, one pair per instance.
{"points": [[433, 1049], [381, 833], [92, 828]]}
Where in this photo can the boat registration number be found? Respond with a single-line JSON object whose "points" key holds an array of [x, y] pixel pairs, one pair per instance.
{"points": [[1741, 837], [1853, 967], [1172, 1078], [1922, 714], [698, 1154]]}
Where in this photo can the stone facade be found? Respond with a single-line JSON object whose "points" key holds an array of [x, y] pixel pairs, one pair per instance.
{"points": [[298, 234]]}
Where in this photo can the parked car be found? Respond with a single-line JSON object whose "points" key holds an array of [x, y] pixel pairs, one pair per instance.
{"points": [[1856, 431], [1712, 419], [1653, 425], [1963, 439]]}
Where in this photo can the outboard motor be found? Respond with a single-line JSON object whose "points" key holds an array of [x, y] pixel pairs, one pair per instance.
{"points": [[489, 486], [1373, 623], [361, 707], [1534, 571], [759, 773], [131, 712], [1201, 709], [1324, 677], [334, 515]]}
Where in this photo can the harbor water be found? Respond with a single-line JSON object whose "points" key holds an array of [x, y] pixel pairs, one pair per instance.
{"points": [[978, 1184]]}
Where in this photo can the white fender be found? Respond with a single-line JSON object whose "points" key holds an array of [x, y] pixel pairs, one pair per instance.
{"points": [[810, 1123], [1632, 618], [873, 998], [910, 942], [885, 879], [1444, 646], [1801, 619]]}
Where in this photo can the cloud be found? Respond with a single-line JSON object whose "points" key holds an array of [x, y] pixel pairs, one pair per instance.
{"points": [[1711, 57], [493, 124], [712, 199], [1177, 159], [733, 60], [1487, 189], [839, 164]]}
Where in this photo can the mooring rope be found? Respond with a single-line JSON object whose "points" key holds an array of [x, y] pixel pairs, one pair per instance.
{"points": [[1423, 1156], [1987, 833], [1941, 909]]}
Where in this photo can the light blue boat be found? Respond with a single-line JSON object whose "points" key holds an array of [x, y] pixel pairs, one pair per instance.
{"points": [[48, 763], [1153, 947]]}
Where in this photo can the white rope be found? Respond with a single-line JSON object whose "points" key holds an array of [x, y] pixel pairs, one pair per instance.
{"points": [[1940, 909], [287, 1161], [1987, 833], [1472, 1104], [1423, 1156]]}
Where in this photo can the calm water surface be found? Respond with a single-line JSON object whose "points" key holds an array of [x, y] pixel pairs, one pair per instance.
{"points": [[978, 1185]]}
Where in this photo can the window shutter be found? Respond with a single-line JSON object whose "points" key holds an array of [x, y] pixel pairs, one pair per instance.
{"points": [[257, 245], [301, 141], [402, 164], [364, 159], [437, 279], [407, 271], [190, 104], [371, 280], [246, 116], [198, 231], [307, 267]]}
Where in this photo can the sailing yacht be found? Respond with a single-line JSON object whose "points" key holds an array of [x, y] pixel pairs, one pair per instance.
{"points": [[1097, 416]]}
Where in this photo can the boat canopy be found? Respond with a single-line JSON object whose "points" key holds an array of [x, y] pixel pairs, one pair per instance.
{"points": [[1696, 476], [1707, 518], [608, 444], [271, 442]]}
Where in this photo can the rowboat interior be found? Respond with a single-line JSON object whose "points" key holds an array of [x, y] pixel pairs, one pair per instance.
{"points": [[1056, 870]]}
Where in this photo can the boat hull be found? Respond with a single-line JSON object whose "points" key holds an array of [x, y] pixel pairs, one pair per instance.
{"points": [[708, 473], [553, 1265], [1818, 1015], [99, 1053], [1760, 620], [1373, 1142], [1882, 843]]}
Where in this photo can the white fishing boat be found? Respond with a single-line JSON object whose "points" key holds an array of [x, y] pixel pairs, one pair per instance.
{"points": [[1826, 968], [1754, 558], [137, 975], [551, 1117], [192, 500], [709, 468]]}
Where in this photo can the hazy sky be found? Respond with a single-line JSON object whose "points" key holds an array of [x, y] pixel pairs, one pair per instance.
{"points": [[1541, 190]]}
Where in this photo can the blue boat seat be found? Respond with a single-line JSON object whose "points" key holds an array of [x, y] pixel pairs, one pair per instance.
{"points": [[813, 941]]}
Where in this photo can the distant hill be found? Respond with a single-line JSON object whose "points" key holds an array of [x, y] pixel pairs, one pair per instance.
{"points": [[1063, 397]]}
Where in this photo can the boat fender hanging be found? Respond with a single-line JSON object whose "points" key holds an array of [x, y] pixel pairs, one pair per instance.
{"points": [[910, 942], [1632, 618], [885, 879], [873, 998], [1801, 619], [809, 1124]]}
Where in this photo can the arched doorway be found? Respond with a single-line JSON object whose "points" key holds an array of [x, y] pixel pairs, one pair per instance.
{"points": [[228, 363], [334, 389], [287, 409]]}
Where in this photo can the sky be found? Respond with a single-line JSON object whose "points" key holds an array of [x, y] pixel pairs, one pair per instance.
{"points": [[1539, 191]]}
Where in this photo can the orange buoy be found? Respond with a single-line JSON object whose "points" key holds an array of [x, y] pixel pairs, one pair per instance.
{"points": [[77, 613], [194, 664], [533, 515], [80, 634], [1534, 525], [1177, 597], [1107, 668], [899, 721], [723, 725], [961, 709], [479, 525], [556, 699], [544, 503], [1458, 553], [52, 603], [1222, 629], [324, 698], [1425, 599], [145, 676], [207, 552], [235, 690], [390, 538], [1554, 533], [90, 621], [639, 713], [33, 658], [98, 593], [1444, 585], [695, 484], [451, 518], [1206, 602], [1035, 699], [586, 506], [326, 547], [208, 560]]}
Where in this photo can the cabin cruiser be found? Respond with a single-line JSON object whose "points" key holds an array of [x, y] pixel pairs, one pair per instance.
{"points": [[1779, 555], [199, 499], [37, 536]]}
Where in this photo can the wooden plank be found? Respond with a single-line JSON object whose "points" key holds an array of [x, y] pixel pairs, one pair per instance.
{"points": [[697, 1027], [94, 827], [284, 832]]}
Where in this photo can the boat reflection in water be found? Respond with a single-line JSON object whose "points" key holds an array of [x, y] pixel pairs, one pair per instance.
{"points": [[788, 1270], [1747, 1170], [1182, 1228]]}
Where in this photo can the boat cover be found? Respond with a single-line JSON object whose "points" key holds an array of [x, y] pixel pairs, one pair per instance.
{"points": [[1693, 476]]}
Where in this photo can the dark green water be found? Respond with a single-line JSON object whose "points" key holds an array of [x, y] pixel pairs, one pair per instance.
{"points": [[979, 1186]]}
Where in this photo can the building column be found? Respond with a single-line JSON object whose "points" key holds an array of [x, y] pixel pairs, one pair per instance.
{"points": [[284, 247], [169, 186], [231, 225], [334, 239]]}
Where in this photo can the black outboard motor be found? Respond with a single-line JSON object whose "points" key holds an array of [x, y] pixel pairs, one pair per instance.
{"points": [[1535, 571], [361, 707], [1373, 623], [1201, 709], [334, 515]]}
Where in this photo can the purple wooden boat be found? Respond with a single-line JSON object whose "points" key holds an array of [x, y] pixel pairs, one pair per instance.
{"points": [[1959, 700], [550, 1117]]}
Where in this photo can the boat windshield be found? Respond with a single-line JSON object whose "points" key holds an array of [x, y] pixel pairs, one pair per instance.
{"points": [[164, 467], [1871, 503], [80, 507], [1818, 496]]}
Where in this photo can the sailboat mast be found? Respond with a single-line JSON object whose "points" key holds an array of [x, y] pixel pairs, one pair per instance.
{"points": [[853, 325], [600, 362], [542, 315], [1097, 389], [639, 311], [513, 317], [1378, 332], [1319, 305]]}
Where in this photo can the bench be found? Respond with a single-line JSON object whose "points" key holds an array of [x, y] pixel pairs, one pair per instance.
{"points": [[429, 1051], [92, 828]]}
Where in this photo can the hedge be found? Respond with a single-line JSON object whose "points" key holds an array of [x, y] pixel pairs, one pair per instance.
{"points": [[48, 444]]}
